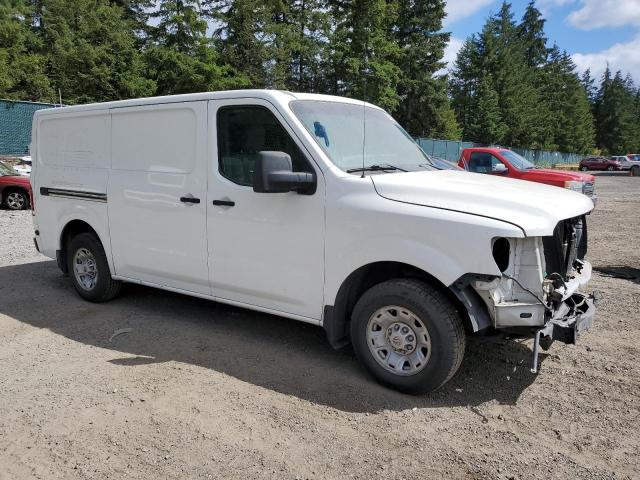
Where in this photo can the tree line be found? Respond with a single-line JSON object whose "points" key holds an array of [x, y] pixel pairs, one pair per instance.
{"points": [[507, 86]]}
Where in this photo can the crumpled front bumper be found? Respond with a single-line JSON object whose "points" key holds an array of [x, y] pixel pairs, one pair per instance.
{"points": [[568, 328]]}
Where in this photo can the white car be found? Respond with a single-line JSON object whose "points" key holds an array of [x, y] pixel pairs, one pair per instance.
{"points": [[317, 208], [23, 167]]}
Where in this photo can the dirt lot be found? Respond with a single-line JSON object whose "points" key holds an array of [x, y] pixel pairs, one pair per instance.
{"points": [[201, 390]]}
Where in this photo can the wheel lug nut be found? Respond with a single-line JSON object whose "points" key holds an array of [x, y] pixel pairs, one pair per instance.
{"points": [[408, 347], [396, 327], [405, 330], [410, 338]]}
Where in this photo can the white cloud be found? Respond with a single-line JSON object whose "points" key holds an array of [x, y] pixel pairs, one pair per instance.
{"points": [[458, 9], [621, 56], [545, 6], [451, 52], [605, 13]]}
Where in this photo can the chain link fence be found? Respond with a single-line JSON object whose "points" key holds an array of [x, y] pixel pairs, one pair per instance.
{"points": [[451, 149], [15, 125]]}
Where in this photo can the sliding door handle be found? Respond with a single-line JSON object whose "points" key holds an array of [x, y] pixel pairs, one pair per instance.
{"points": [[224, 203], [189, 199]]}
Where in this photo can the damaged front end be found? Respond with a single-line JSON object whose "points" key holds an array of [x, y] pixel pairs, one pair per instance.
{"points": [[540, 291]]}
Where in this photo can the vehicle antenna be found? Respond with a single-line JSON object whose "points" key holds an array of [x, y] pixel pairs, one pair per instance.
{"points": [[364, 106]]}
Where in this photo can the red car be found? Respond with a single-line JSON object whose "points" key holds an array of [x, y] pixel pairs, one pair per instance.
{"points": [[15, 189], [501, 161], [600, 163]]}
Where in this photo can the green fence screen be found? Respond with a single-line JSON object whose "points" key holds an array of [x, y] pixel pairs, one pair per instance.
{"points": [[450, 150], [15, 125]]}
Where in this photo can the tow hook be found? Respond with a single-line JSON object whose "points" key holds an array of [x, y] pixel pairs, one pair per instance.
{"points": [[547, 331]]}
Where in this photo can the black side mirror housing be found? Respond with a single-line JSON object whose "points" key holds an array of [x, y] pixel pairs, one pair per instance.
{"points": [[274, 174]]}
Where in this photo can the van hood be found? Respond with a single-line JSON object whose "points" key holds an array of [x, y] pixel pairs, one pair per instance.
{"points": [[533, 207]]}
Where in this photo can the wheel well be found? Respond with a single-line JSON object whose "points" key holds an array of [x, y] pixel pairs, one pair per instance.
{"points": [[13, 188], [70, 230], [337, 317]]}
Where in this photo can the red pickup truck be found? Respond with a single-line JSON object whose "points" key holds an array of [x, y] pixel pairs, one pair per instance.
{"points": [[501, 161]]}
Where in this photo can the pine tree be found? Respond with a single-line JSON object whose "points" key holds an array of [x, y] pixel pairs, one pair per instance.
{"points": [[22, 65], [532, 36], [295, 37], [615, 115], [241, 38], [92, 52], [363, 61], [486, 123], [424, 108], [182, 59], [571, 122], [464, 83], [588, 83]]}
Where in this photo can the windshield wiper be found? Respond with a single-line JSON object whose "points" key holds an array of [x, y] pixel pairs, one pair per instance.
{"points": [[376, 168]]}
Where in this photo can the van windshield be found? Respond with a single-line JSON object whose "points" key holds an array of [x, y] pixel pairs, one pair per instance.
{"points": [[339, 129]]}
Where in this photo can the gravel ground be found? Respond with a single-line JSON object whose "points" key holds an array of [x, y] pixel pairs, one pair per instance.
{"points": [[202, 390]]}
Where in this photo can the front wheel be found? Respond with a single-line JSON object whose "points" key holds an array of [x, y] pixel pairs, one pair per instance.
{"points": [[89, 270], [584, 169], [635, 171], [610, 168], [408, 335]]}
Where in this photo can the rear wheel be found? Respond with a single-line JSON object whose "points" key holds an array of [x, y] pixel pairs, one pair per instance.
{"points": [[610, 168], [89, 270], [635, 171], [16, 200], [408, 335], [584, 169]]}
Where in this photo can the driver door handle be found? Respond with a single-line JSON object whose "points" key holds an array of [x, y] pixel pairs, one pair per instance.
{"points": [[225, 203], [189, 199]]}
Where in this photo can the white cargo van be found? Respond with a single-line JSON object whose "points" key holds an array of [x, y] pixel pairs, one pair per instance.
{"points": [[317, 208]]}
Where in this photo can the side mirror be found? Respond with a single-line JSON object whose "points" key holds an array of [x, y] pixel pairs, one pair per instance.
{"points": [[499, 168], [274, 174]]}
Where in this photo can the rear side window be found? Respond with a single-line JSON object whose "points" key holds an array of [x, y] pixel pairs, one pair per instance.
{"points": [[243, 132], [482, 162]]}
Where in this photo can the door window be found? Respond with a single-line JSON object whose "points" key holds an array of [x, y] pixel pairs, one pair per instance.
{"points": [[243, 132], [483, 162]]}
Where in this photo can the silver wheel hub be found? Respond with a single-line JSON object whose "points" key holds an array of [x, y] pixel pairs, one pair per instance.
{"points": [[398, 340], [15, 200], [85, 269]]}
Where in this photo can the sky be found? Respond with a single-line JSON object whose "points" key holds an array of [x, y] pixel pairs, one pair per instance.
{"points": [[594, 32]]}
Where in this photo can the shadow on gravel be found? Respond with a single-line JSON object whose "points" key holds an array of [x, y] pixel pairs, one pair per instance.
{"points": [[619, 271], [283, 355]]}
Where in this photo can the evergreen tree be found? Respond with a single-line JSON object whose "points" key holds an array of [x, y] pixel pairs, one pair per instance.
{"points": [[615, 114], [571, 121], [182, 59], [424, 108], [241, 38], [588, 83], [531, 33], [486, 123], [296, 36], [92, 52], [464, 84], [364, 58], [22, 65]]}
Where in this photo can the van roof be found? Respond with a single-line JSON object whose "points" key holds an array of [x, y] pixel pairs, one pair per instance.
{"points": [[275, 96]]}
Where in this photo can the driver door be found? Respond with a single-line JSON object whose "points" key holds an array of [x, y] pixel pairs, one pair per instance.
{"points": [[265, 249]]}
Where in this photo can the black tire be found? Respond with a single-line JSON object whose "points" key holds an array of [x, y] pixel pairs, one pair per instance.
{"points": [[584, 169], [15, 199], [441, 319], [635, 171], [104, 288], [610, 168]]}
